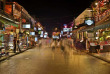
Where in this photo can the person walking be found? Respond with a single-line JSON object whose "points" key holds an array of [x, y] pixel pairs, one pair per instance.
{"points": [[18, 45], [40, 43], [98, 47], [62, 46], [87, 45], [14, 42], [53, 45]]}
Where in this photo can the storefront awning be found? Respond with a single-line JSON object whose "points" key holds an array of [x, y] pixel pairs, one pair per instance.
{"points": [[6, 22], [101, 26]]}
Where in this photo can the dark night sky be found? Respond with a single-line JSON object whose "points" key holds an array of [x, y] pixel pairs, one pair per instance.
{"points": [[54, 13]]}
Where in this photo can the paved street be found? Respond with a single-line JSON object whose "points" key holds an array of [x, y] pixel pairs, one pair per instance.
{"points": [[46, 61]]}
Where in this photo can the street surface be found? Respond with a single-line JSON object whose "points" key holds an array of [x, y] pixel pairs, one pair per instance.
{"points": [[46, 61]]}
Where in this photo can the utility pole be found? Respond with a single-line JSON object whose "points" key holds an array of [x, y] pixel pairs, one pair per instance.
{"points": [[21, 20]]}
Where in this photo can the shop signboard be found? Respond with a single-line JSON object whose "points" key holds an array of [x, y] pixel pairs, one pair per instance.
{"points": [[8, 9], [32, 33], [89, 22], [66, 29], [26, 26]]}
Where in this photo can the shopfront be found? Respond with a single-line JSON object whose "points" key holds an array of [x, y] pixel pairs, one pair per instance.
{"points": [[100, 34], [7, 33]]}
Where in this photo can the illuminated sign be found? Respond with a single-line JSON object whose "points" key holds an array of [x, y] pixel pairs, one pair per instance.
{"points": [[26, 26], [32, 33], [66, 29], [89, 22], [8, 9]]}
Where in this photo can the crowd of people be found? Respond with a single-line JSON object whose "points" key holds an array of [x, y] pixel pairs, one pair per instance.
{"points": [[52, 43]]}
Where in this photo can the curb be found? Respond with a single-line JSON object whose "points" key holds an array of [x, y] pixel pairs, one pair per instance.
{"points": [[14, 54], [98, 57], [101, 58]]}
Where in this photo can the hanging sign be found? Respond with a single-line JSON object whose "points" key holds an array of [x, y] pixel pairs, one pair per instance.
{"points": [[89, 22]]}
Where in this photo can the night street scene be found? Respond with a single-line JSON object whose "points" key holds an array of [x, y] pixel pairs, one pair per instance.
{"points": [[54, 36]]}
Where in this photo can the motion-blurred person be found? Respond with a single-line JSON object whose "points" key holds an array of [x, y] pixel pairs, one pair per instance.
{"points": [[58, 43], [62, 46], [53, 45], [18, 45], [98, 47], [14, 42], [40, 43]]}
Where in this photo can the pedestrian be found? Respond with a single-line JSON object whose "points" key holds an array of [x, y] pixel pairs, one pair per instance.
{"points": [[40, 44], [62, 46], [18, 45], [98, 47], [87, 45], [53, 45], [14, 42], [6, 48], [49, 42], [58, 44]]}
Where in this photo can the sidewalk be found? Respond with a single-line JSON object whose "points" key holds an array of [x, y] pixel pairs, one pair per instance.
{"points": [[102, 56], [11, 53]]}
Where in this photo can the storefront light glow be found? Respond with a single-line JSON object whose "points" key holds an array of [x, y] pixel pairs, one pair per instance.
{"points": [[46, 33], [108, 36], [97, 37]]}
